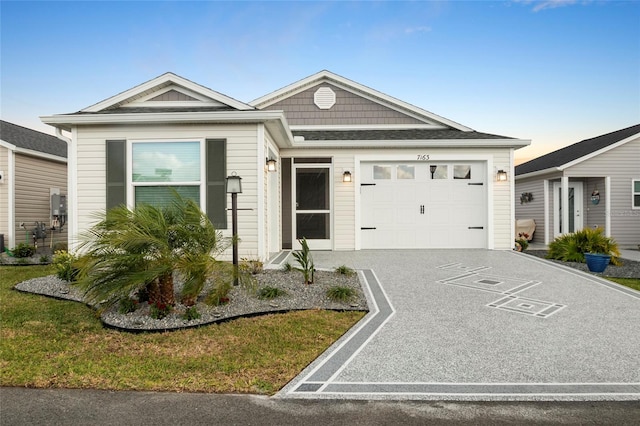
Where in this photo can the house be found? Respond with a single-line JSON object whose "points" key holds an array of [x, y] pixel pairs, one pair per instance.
{"points": [[598, 179], [354, 168], [33, 167]]}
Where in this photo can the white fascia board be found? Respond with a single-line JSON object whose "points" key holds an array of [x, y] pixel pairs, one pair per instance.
{"points": [[32, 153], [8, 145], [167, 78], [598, 152], [538, 173], [349, 85], [429, 143], [326, 127]]}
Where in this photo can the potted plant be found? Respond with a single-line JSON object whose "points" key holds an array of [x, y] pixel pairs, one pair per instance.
{"points": [[597, 262], [522, 242]]}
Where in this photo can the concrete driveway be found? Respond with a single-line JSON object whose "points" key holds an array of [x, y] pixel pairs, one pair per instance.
{"points": [[479, 325]]}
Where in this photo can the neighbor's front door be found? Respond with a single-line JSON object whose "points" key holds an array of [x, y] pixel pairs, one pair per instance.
{"points": [[574, 206], [312, 207]]}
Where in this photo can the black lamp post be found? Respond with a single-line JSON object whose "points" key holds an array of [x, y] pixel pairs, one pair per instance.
{"points": [[234, 187]]}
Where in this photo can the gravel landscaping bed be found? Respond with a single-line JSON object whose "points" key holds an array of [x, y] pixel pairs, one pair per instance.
{"points": [[242, 301], [628, 269]]}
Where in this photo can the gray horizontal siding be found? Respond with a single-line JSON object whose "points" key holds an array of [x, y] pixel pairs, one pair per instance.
{"points": [[34, 178], [533, 209], [621, 165], [349, 109]]}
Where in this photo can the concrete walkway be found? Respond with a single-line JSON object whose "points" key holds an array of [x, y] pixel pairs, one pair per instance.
{"points": [[479, 325]]}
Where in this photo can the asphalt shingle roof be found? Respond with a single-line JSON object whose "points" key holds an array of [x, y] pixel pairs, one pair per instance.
{"points": [[23, 137], [577, 150], [377, 135]]}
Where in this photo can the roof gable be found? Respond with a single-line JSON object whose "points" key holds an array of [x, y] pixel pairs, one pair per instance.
{"points": [[168, 91], [32, 140], [579, 151], [426, 118]]}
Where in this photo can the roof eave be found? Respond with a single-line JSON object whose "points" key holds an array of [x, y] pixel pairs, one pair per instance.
{"points": [[417, 143], [275, 120]]}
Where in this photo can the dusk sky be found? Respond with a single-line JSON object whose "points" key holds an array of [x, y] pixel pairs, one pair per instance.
{"points": [[553, 71]]}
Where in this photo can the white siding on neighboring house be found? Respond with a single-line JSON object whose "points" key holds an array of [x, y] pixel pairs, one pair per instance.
{"points": [[621, 165], [33, 179], [241, 157]]}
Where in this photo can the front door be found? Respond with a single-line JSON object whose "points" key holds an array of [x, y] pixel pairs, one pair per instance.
{"points": [[574, 206], [312, 206]]}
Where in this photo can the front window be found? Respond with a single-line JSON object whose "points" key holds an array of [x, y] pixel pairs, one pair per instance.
{"points": [[636, 193], [159, 168]]}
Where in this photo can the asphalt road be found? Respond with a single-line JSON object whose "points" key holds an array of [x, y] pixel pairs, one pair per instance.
{"points": [[21, 406]]}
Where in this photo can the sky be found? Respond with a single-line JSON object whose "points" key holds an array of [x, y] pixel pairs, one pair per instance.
{"points": [[551, 71]]}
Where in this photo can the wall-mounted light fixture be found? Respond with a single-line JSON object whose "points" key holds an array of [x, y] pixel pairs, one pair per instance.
{"points": [[501, 176], [346, 176], [271, 165]]}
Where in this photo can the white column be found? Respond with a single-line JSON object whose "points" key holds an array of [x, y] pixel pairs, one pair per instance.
{"points": [[547, 230], [607, 206], [565, 204]]}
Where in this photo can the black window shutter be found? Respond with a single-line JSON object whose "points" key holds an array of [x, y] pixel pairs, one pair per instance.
{"points": [[116, 152], [216, 190]]}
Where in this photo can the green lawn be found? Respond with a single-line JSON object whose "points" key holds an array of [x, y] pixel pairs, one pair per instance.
{"points": [[633, 283], [52, 343]]}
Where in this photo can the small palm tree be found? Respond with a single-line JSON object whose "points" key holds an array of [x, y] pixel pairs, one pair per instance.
{"points": [[140, 249]]}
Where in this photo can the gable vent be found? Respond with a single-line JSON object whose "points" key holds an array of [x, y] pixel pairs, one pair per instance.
{"points": [[324, 98]]}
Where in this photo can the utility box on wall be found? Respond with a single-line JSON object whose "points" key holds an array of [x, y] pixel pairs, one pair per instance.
{"points": [[58, 205]]}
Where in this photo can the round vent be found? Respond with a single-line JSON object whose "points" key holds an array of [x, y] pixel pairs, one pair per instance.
{"points": [[324, 98]]}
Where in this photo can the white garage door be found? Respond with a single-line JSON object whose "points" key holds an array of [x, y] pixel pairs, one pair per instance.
{"points": [[423, 205]]}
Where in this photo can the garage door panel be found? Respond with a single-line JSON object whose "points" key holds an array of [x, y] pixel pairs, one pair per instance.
{"points": [[424, 212]]}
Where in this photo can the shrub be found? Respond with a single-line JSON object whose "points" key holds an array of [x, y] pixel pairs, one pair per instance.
{"points": [[23, 250], [191, 314], [340, 293], [64, 261], [344, 270], [251, 266], [304, 259], [572, 247], [44, 259], [159, 310], [287, 267], [220, 293], [269, 292], [127, 305]]}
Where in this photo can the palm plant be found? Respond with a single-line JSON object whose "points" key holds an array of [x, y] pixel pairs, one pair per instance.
{"points": [[140, 249], [304, 259]]}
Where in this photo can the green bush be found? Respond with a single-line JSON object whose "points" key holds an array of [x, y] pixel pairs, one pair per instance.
{"points": [[127, 305], [191, 314], [572, 247], [44, 259], [23, 250], [64, 261], [345, 270], [159, 310], [340, 293], [269, 292]]}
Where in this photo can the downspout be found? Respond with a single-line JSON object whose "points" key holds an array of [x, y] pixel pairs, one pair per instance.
{"points": [[72, 205]]}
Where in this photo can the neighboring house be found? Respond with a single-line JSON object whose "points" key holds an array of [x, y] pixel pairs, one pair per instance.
{"points": [[598, 179], [355, 168], [33, 167]]}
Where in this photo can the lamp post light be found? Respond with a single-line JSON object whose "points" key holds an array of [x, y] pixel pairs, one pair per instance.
{"points": [[234, 187]]}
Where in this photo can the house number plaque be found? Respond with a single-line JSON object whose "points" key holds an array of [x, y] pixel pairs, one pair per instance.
{"points": [[423, 157]]}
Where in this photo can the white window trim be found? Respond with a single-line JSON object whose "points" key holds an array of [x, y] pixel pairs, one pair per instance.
{"points": [[633, 193], [131, 185]]}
